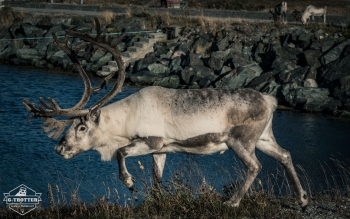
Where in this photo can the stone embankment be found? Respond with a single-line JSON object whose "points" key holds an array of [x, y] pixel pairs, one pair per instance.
{"points": [[305, 69]]}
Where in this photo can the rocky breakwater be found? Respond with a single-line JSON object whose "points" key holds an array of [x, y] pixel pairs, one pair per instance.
{"points": [[308, 70]]}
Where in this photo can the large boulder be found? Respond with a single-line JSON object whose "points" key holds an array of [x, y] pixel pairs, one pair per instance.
{"points": [[259, 82], [44, 23], [216, 60], [334, 53], [195, 73], [296, 75], [201, 44], [311, 99], [28, 54], [221, 45], [235, 60], [146, 61], [158, 69], [192, 59], [145, 77], [27, 30], [8, 52], [339, 70], [312, 58], [98, 64], [171, 81], [239, 77], [97, 55]]}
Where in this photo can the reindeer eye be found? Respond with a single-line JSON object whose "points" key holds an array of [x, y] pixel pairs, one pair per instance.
{"points": [[82, 128]]}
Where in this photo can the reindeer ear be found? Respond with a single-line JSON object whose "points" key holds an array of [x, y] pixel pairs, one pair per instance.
{"points": [[95, 116]]}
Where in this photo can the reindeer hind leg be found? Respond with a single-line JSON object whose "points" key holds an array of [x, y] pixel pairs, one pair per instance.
{"points": [[269, 146]]}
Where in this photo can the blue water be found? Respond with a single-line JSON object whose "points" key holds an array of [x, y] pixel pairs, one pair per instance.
{"points": [[28, 157]]}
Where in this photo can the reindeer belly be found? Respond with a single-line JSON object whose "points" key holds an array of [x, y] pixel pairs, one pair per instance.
{"points": [[203, 144]]}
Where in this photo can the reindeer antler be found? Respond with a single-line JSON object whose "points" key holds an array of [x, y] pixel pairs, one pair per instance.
{"points": [[47, 111]]}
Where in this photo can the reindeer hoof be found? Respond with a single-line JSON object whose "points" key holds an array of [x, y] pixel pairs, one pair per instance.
{"points": [[128, 181]]}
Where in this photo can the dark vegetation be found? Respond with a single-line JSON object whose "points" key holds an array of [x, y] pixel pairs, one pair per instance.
{"points": [[183, 197]]}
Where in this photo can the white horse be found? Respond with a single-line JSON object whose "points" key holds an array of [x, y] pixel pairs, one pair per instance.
{"points": [[313, 11]]}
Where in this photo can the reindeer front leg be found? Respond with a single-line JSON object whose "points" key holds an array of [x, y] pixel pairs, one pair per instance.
{"points": [[139, 146]]}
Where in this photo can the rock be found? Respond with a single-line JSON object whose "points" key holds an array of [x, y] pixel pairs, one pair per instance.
{"points": [[26, 30], [312, 58], [225, 69], [319, 34], [28, 54], [8, 52], [265, 56], [20, 62], [259, 82], [57, 21], [286, 39], [175, 65], [338, 70], [192, 59], [144, 77], [202, 43], [194, 86], [14, 30], [312, 100], [101, 62], [273, 89], [327, 44], [216, 60], [195, 73], [334, 53], [283, 66], [143, 63], [158, 69], [56, 57], [239, 77], [304, 39], [208, 81], [39, 63], [342, 91], [97, 55], [310, 83], [295, 76], [184, 47], [221, 45], [234, 60], [44, 23], [171, 81]]}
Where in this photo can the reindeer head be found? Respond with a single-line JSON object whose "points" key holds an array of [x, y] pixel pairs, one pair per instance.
{"points": [[81, 136], [84, 122]]}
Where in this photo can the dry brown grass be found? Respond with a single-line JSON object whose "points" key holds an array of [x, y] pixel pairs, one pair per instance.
{"points": [[107, 16]]}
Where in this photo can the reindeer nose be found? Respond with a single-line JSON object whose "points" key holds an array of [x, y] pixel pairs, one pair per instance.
{"points": [[59, 149]]}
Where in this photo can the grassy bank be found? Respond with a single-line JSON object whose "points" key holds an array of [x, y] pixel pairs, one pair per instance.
{"points": [[334, 7], [182, 196]]}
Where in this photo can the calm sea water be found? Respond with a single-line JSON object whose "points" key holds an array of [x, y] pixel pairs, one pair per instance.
{"points": [[27, 156]]}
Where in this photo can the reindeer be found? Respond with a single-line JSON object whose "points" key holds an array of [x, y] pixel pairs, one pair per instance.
{"points": [[280, 12], [158, 121], [313, 11]]}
